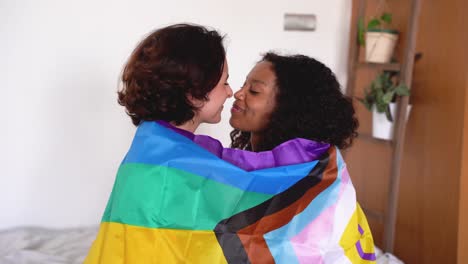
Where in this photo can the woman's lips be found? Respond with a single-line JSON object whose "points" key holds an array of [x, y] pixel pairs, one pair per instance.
{"points": [[236, 109]]}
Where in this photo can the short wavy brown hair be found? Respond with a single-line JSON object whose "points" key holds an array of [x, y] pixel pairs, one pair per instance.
{"points": [[309, 104], [165, 68]]}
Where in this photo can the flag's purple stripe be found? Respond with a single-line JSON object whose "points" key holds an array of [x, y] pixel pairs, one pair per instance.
{"points": [[361, 231], [185, 133], [291, 152], [364, 256]]}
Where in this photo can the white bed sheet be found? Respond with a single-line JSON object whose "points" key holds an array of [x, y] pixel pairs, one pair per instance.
{"points": [[34, 245]]}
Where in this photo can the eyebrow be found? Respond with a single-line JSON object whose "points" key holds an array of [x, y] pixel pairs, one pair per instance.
{"points": [[259, 81]]}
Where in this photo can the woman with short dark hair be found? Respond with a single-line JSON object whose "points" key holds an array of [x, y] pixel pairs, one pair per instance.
{"points": [[175, 79], [171, 74]]}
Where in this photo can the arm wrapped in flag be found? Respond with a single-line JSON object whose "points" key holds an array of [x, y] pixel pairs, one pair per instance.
{"points": [[176, 201]]}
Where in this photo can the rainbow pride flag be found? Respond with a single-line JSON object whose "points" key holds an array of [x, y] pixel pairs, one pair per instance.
{"points": [[181, 198]]}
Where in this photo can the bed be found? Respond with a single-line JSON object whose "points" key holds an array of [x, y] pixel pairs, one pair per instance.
{"points": [[37, 245], [34, 245]]}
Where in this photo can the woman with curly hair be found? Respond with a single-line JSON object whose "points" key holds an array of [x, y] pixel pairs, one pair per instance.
{"points": [[291, 112], [288, 97]]}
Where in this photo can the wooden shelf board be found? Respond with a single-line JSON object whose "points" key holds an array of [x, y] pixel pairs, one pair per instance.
{"points": [[380, 66], [367, 136]]}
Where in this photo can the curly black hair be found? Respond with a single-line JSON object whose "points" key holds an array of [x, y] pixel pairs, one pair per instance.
{"points": [[167, 66], [309, 104]]}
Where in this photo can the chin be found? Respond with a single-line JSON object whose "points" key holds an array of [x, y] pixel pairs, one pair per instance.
{"points": [[241, 126], [233, 124], [214, 120]]}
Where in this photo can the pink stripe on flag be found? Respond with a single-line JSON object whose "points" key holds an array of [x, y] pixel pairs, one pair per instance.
{"points": [[307, 244]]}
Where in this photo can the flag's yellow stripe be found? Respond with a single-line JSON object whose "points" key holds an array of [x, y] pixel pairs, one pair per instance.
{"points": [[119, 243], [351, 235]]}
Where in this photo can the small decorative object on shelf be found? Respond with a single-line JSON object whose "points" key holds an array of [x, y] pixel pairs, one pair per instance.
{"points": [[379, 39], [380, 99]]}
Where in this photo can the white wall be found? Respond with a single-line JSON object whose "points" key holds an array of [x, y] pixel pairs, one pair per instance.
{"points": [[62, 133]]}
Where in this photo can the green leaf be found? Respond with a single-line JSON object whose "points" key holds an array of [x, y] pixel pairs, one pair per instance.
{"points": [[388, 114], [379, 95], [370, 96], [366, 103], [387, 18], [379, 82], [388, 96], [386, 81], [373, 24], [381, 107], [402, 90]]}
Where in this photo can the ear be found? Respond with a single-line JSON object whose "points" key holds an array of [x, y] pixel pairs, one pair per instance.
{"points": [[195, 102]]}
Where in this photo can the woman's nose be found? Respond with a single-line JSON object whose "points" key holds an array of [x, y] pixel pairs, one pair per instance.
{"points": [[239, 95], [229, 91]]}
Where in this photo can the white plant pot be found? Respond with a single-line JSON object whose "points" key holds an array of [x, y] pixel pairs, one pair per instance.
{"points": [[381, 127], [380, 46]]}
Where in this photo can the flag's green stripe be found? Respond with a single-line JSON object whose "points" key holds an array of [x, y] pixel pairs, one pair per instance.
{"points": [[158, 196]]}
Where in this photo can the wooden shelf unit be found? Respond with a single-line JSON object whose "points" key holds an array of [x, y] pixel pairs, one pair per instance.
{"points": [[405, 68]]}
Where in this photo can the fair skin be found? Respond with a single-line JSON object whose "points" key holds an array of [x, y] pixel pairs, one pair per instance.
{"points": [[210, 111], [255, 102]]}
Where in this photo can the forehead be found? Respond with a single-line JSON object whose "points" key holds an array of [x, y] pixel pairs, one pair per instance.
{"points": [[263, 71]]}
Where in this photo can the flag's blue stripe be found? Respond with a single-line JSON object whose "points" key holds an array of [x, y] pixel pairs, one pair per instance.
{"points": [[157, 145]]}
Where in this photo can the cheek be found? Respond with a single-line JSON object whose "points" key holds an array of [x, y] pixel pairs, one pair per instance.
{"points": [[262, 109], [258, 116], [216, 100]]}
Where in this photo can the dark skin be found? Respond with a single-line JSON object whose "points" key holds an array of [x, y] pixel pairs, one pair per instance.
{"points": [[255, 102]]}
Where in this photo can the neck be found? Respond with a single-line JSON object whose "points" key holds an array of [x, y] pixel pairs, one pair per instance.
{"points": [[254, 141], [190, 126]]}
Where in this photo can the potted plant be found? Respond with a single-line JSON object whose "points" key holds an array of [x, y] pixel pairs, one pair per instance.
{"points": [[379, 98], [380, 39]]}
